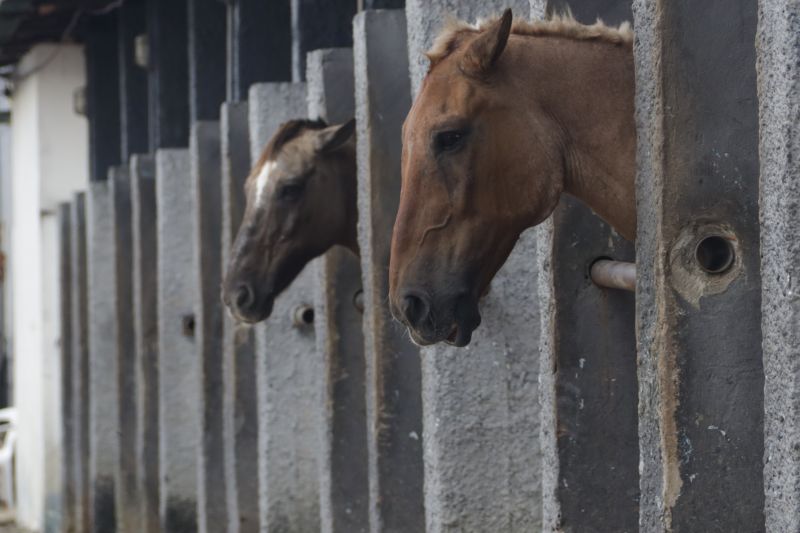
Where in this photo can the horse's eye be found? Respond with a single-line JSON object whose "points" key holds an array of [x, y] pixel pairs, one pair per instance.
{"points": [[449, 141], [291, 192]]}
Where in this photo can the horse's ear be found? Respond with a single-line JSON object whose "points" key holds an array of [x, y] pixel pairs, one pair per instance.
{"points": [[483, 52], [333, 137]]}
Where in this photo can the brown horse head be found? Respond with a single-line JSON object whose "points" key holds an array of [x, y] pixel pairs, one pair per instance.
{"points": [[489, 146], [301, 200]]}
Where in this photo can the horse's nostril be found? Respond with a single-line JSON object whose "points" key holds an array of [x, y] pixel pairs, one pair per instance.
{"points": [[245, 297], [415, 308]]}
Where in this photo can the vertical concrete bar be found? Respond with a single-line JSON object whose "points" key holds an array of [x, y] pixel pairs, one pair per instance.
{"points": [[238, 363], [103, 399], [80, 362], [179, 367], [778, 46], [701, 376], [126, 489], [588, 360], [288, 368], [340, 342], [145, 320], [68, 426], [394, 408], [206, 186], [481, 403]]}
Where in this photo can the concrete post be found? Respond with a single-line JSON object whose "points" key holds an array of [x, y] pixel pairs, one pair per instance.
{"points": [[482, 401], [69, 428], [179, 367], [126, 490], [394, 408], [288, 368], [701, 379], [238, 362], [586, 381], [340, 341], [103, 406], [145, 320], [206, 188], [80, 361], [778, 47]]}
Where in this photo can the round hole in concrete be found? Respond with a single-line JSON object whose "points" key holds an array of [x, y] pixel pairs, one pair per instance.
{"points": [[715, 254], [303, 316]]}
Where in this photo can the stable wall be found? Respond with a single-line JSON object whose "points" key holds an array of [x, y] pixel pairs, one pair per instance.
{"points": [[48, 164]]}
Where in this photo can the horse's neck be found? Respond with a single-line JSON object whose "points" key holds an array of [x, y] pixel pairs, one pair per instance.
{"points": [[350, 237], [588, 89]]}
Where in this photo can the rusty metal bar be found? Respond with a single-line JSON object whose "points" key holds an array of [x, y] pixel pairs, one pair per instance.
{"points": [[614, 274]]}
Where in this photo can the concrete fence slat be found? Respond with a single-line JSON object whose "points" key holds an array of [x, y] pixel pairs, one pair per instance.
{"points": [[482, 401], [701, 379], [394, 409], [80, 361], [206, 189], [239, 369], [778, 47], [289, 370], [340, 342], [103, 399], [145, 320], [179, 365], [126, 489], [69, 474]]}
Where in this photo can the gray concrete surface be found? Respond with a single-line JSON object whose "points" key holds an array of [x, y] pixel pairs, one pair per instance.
{"points": [[238, 363], [289, 371], [145, 321], [179, 365], [103, 400], [778, 46], [127, 494], [394, 409], [206, 189], [481, 402], [340, 342]]}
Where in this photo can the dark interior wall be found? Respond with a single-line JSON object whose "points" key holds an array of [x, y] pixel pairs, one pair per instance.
{"points": [[132, 21]]}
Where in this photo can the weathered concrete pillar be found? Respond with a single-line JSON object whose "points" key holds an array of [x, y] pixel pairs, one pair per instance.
{"points": [[340, 342], [206, 188], [288, 368], [103, 399], [394, 408], [701, 379], [238, 363], [126, 489], [145, 320], [778, 47], [482, 452], [80, 361], [588, 366], [179, 365], [69, 472]]}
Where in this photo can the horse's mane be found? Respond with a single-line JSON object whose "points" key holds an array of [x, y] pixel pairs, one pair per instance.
{"points": [[286, 132], [555, 25]]}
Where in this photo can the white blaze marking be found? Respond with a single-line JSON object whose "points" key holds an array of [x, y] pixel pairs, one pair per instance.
{"points": [[262, 180]]}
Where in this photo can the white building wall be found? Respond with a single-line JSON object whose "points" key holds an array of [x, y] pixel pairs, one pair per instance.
{"points": [[49, 162]]}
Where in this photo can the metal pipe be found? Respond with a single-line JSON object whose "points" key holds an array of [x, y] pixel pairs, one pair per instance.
{"points": [[614, 274]]}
